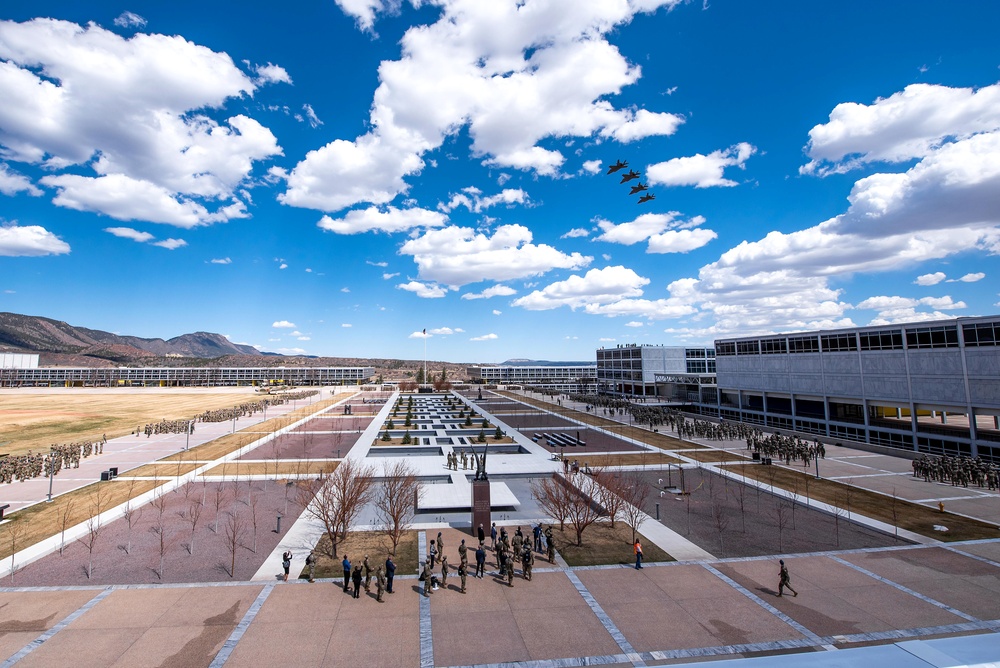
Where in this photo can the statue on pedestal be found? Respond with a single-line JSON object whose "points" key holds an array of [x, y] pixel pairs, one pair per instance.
{"points": [[480, 464]]}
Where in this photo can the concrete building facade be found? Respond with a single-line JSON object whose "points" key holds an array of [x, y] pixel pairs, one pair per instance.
{"points": [[571, 378], [183, 377], [666, 373], [928, 387]]}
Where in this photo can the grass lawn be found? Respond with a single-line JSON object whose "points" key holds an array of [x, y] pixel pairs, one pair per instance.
{"points": [[603, 545], [284, 467], [626, 459], [359, 543]]}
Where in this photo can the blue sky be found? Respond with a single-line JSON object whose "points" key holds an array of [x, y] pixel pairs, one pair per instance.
{"points": [[332, 178]]}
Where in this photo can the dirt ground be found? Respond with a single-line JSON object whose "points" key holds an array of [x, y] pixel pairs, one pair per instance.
{"points": [[906, 515], [711, 517], [208, 561], [359, 543], [34, 421]]}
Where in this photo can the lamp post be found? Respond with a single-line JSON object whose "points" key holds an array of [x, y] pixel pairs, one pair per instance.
{"points": [[52, 472], [187, 435], [816, 457]]}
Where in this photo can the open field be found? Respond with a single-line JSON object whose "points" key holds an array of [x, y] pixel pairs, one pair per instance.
{"points": [[284, 467], [36, 421], [905, 515], [627, 459], [160, 470]]}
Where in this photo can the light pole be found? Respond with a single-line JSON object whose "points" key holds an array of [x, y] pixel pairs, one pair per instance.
{"points": [[816, 457], [187, 436], [52, 471]]}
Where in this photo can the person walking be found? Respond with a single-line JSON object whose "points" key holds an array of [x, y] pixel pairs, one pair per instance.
{"points": [[286, 562], [390, 573], [346, 563], [784, 579], [637, 548]]}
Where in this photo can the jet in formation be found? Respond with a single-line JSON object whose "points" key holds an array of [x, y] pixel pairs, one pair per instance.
{"points": [[632, 174], [618, 166], [646, 198], [638, 189]]}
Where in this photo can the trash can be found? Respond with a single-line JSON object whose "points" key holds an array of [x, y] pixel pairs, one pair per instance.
{"points": [[756, 456], [113, 471], [105, 475]]}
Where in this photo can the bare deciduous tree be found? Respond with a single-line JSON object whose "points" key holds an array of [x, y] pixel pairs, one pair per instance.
{"points": [[131, 515], [193, 516], [220, 498], [64, 517], [582, 511], [235, 528], [634, 492], [396, 500], [254, 517], [15, 531], [721, 521], [607, 492], [338, 497], [98, 504], [164, 540], [781, 517], [553, 498]]}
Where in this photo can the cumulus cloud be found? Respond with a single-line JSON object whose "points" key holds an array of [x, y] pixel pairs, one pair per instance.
{"points": [[424, 290], [139, 112], [495, 291], [129, 233], [29, 241], [970, 278], [12, 183], [701, 171], [271, 73], [457, 256], [472, 200], [365, 11], [283, 324], [388, 219], [665, 232], [485, 337], [597, 286], [221, 260], [511, 75], [912, 123], [388, 276], [930, 279], [634, 323], [346, 324], [591, 166], [419, 335], [170, 244], [576, 233], [496, 312]]}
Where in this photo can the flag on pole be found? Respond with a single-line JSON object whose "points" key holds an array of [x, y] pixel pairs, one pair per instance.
{"points": [[425, 331]]}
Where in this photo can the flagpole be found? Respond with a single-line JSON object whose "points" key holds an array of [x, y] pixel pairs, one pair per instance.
{"points": [[425, 355]]}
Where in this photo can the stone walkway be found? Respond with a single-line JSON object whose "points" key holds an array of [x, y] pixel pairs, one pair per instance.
{"points": [[564, 617]]}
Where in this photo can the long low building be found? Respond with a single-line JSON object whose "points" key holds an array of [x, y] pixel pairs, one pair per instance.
{"points": [[561, 378], [183, 376], [929, 387]]}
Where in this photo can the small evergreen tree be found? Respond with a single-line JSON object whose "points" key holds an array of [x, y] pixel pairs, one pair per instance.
{"points": [[406, 438], [486, 423], [391, 424], [498, 434], [385, 436], [482, 437], [468, 421]]}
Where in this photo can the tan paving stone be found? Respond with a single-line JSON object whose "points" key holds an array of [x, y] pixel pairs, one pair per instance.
{"points": [[83, 648], [479, 637]]}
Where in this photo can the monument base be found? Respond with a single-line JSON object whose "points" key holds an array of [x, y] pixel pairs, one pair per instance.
{"points": [[481, 506]]}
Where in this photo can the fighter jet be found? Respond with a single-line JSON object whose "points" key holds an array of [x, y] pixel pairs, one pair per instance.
{"points": [[646, 198], [619, 165], [632, 174], [638, 189]]}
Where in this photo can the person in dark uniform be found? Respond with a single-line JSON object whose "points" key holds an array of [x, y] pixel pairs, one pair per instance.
{"points": [[784, 579], [390, 573], [481, 534], [311, 565], [551, 545], [356, 578], [480, 561]]}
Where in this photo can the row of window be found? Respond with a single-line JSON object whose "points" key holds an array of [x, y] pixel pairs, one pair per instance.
{"points": [[943, 336]]}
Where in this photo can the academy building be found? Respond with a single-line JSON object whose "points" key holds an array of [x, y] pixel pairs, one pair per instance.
{"points": [[930, 387], [22, 376], [568, 378]]}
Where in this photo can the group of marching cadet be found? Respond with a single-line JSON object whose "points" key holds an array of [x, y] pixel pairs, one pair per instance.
{"points": [[33, 464]]}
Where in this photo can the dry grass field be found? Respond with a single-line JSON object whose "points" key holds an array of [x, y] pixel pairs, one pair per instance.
{"points": [[235, 470], [36, 421]]}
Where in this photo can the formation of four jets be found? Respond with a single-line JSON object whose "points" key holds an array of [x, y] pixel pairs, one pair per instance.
{"points": [[631, 175]]}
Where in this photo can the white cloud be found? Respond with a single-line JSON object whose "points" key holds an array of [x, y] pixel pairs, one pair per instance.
{"points": [[597, 286], [291, 351], [388, 276], [634, 323], [419, 335], [389, 219], [472, 200], [680, 241], [442, 331], [170, 244], [700, 171], [495, 291], [311, 116], [345, 289], [496, 312], [129, 233], [605, 339], [424, 290], [279, 324], [221, 260], [970, 278], [457, 256], [272, 74], [640, 229], [136, 112], [509, 75], [485, 337], [296, 333], [346, 324], [12, 183], [576, 233], [377, 264], [365, 11], [909, 124], [29, 241], [930, 279], [592, 166], [282, 266], [130, 20], [665, 232], [304, 338]]}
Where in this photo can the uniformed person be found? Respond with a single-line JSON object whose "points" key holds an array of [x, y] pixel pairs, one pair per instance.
{"points": [[784, 579], [379, 583], [551, 545], [527, 561], [426, 577], [510, 571], [463, 570], [463, 553], [368, 574], [444, 571]]}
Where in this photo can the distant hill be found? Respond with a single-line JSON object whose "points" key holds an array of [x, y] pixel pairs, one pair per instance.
{"points": [[44, 335]]}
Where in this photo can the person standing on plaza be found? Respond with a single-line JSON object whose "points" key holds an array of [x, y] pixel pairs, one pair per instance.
{"points": [[444, 571], [550, 543], [784, 579], [432, 553], [286, 562], [480, 561], [463, 553], [311, 565], [390, 572], [379, 583], [346, 563], [368, 573], [637, 548], [493, 536], [463, 570], [356, 578], [440, 542], [481, 534], [427, 576]]}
